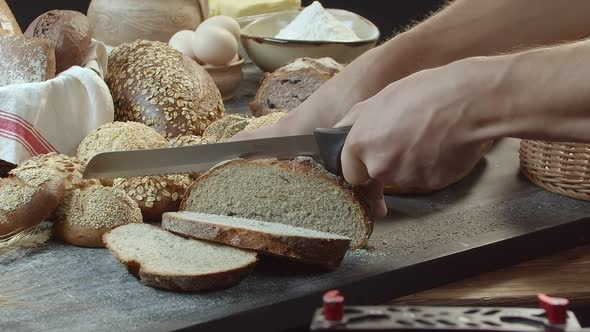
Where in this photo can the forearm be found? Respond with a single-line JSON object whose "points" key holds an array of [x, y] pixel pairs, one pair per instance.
{"points": [[538, 94]]}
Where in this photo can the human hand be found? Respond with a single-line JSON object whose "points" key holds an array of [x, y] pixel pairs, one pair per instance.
{"points": [[422, 132]]}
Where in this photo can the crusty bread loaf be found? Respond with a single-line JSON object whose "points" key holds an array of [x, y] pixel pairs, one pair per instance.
{"points": [[295, 243], [187, 141], [226, 127], [265, 120], [25, 60], [8, 24], [120, 136], [289, 86], [86, 214], [154, 84], [299, 193], [71, 168], [398, 190], [26, 202], [161, 259], [70, 33], [155, 194]]}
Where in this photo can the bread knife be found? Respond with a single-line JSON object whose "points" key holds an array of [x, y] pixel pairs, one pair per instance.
{"points": [[324, 145]]}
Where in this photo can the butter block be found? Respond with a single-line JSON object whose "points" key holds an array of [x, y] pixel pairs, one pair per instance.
{"points": [[239, 8]]}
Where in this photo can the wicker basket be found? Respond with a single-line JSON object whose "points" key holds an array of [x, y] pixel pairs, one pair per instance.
{"points": [[562, 168]]}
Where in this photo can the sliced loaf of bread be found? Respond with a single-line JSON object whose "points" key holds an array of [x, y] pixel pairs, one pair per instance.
{"points": [[165, 260], [299, 193], [296, 243]]}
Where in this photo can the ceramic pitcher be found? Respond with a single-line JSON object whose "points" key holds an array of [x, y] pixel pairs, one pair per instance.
{"points": [[119, 21]]}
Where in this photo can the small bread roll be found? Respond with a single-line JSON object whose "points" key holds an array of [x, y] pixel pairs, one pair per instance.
{"points": [[26, 202], [70, 33], [86, 214], [71, 168], [155, 194], [226, 127], [265, 120]]}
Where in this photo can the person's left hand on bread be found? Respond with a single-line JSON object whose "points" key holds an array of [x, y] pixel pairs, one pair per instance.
{"points": [[419, 131]]}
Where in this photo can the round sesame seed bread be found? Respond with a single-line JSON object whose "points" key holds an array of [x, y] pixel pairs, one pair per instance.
{"points": [[226, 127], [296, 243], [165, 260], [26, 202], [86, 214], [155, 194], [289, 86], [154, 84], [70, 33], [299, 193], [71, 168]]}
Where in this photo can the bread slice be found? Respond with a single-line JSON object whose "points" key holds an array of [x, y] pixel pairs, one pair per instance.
{"points": [[299, 193], [289, 86], [297, 243], [164, 260]]}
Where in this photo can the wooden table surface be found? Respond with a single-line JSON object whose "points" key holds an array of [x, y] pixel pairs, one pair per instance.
{"points": [[564, 274]]}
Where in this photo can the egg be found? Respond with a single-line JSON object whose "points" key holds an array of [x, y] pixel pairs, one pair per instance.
{"points": [[214, 46], [224, 22], [182, 42]]}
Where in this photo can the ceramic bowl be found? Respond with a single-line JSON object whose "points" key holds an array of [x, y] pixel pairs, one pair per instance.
{"points": [[227, 78], [270, 53]]}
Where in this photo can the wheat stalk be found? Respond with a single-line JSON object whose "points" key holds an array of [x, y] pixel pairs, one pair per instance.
{"points": [[29, 238]]}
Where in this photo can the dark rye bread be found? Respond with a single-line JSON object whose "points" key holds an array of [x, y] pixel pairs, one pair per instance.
{"points": [[300, 244], [25, 60], [154, 84], [8, 24], [165, 260], [299, 193], [26, 202], [70, 33], [289, 86]]}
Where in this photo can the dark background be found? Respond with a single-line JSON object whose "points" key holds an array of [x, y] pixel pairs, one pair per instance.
{"points": [[388, 15]]}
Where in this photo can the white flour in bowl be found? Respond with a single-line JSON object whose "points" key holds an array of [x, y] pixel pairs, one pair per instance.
{"points": [[316, 24]]}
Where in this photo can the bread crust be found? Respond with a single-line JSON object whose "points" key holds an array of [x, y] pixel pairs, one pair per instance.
{"points": [[303, 166], [70, 33], [328, 252], [26, 60], [182, 282], [8, 24], [32, 211]]}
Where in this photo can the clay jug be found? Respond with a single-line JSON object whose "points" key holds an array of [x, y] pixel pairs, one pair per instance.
{"points": [[119, 21]]}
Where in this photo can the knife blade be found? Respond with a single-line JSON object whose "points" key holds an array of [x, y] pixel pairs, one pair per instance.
{"points": [[324, 145]]}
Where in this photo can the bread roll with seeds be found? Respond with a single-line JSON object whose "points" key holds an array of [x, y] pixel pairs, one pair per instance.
{"points": [[71, 168], [26, 202], [155, 194], [154, 84], [120, 136], [86, 214], [226, 127], [188, 141], [265, 120]]}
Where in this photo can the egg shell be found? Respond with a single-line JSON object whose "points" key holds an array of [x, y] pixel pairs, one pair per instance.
{"points": [[215, 46], [224, 22], [182, 42]]}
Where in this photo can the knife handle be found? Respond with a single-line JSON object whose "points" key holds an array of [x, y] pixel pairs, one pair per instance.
{"points": [[330, 142]]}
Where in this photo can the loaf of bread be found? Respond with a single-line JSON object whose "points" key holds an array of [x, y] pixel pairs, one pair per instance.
{"points": [[300, 244], [25, 60], [120, 136], [265, 120], [70, 168], [155, 194], [299, 193], [26, 202], [154, 84], [70, 33], [86, 214], [8, 24], [226, 127], [187, 141], [165, 260], [289, 86]]}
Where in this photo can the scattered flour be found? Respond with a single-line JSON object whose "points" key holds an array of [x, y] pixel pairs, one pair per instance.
{"points": [[316, 24]]}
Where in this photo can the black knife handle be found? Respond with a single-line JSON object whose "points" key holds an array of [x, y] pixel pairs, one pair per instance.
{"points": [[331, 141]]}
